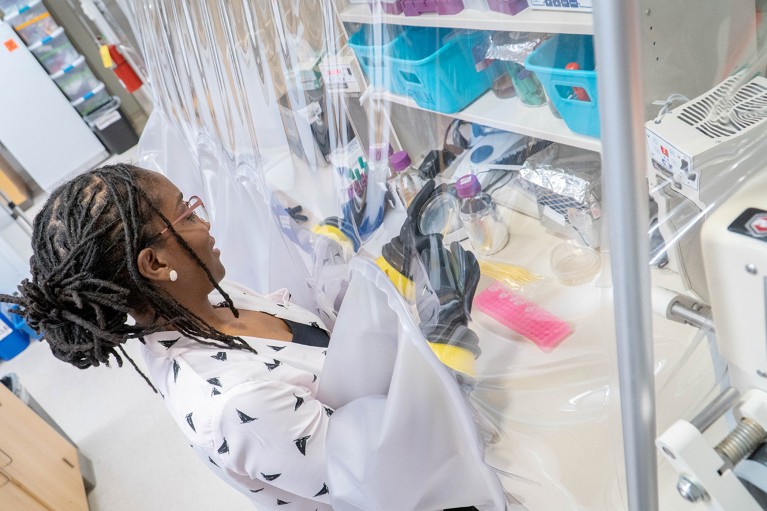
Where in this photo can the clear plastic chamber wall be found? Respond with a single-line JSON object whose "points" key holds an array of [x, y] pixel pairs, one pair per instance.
{"points": [[428, 176]]}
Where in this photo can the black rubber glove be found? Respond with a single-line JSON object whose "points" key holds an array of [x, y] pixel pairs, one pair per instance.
{"points": [[445, 297]]}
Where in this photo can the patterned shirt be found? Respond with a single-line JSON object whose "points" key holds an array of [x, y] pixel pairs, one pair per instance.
{"points": [[252, 418]]}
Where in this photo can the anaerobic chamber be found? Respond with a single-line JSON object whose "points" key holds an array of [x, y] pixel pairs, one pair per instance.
{"points": [[507, 210]]}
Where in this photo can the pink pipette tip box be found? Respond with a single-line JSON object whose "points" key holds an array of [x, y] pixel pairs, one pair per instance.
{"points": [[523, 316]]}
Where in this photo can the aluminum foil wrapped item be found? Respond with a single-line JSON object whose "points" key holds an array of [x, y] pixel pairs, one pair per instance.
{"points": [[512, 46], [566, 183]]}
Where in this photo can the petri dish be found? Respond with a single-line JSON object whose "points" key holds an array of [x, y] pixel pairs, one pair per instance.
{"points": [[573, 264], [440, 215]]}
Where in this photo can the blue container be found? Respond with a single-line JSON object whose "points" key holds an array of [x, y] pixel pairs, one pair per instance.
{"points": [[563, 86], [12, 341], [371, 56], [437, 68]]}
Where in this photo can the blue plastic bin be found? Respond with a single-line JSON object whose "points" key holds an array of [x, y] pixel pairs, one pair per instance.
{"points": [[12, 341], [436, 67], [371, 61], [548, 62]]}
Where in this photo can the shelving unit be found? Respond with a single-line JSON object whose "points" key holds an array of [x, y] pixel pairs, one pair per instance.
{"points": [[512, 115], [489, 110], [529, 20]]}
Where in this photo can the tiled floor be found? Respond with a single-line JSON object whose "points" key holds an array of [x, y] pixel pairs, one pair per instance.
{"points": [[141, 460]]}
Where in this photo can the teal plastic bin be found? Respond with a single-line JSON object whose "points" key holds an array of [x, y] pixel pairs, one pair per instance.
{"points": [[437, 68], [372, 62], [567, 87]]}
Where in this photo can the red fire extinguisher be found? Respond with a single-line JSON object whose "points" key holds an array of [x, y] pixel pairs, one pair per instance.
{"points": [[123, 70]]}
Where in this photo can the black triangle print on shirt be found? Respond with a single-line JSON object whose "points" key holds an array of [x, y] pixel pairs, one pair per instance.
{"points": [[211, 460], [189, 421], [224, 448], [169, 343], [314, 324], [270, 477], [277, 348], [314, 378], [281, 502], [256, 491], [214, 392], [244, 418], [221, 355], [273, 366], [299, 402], [328, 411], [323, 491], [301, 444], [176, 369], [214, 381]]}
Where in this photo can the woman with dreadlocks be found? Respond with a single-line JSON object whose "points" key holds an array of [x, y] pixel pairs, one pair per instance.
{"points": [[238, 371]]}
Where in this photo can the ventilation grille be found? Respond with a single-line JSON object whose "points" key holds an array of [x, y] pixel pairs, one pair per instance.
{"points": [[727, 111]]}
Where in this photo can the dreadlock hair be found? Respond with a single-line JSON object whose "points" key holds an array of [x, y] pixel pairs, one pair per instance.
{"points": [[85, 277]]}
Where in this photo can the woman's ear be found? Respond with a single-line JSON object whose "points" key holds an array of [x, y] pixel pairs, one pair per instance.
{"points": [[151, 264]]}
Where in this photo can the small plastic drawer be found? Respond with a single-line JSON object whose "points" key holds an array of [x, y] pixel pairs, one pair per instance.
{"points": [[33, 23], [55, 51], [91, 101], [76, 79]]}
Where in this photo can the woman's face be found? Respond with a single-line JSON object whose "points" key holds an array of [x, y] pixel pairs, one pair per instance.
{"points": [[196, 233]]}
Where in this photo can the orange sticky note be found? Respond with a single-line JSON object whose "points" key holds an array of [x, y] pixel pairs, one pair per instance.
{"points": [[10, 44]]}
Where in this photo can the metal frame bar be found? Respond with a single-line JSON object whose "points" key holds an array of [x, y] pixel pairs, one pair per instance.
{"points": [[618, 46]]}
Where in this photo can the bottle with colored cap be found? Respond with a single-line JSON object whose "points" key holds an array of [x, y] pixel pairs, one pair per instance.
{"points": [[480, 217], [406, 181]]}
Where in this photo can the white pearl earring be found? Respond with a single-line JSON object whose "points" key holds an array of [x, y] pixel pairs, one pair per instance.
{"points": [[173, 275]]}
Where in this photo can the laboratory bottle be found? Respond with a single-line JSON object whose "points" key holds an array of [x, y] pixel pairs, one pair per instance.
{"points": [[480, 217], [405, 181]]}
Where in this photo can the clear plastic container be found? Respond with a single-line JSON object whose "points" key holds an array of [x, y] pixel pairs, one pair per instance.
{"points": [[94, 99], [574, 264], [527, 85], [406, 181], [76, 80], [480, 217], [33, 23], [55, 51]]}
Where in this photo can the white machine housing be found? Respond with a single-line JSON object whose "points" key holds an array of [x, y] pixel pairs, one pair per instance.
{"points": [[697, 158], [734, 243]]}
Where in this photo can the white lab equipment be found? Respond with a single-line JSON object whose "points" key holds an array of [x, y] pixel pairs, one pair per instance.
{"points": [[724, 469], [690, 147]]}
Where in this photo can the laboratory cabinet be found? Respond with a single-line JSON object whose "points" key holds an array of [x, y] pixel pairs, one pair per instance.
{"points": [[304, 121], [39, 469]]}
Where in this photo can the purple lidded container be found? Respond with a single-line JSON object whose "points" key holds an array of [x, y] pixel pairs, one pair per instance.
{"points": [[507, 6], [399, 161], [467, 186]]}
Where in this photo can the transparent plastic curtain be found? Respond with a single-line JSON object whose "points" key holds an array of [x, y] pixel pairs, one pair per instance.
{"points": [[433, 190]]}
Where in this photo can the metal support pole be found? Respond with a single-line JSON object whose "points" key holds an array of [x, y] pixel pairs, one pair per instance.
{"points": [[618, 42]]}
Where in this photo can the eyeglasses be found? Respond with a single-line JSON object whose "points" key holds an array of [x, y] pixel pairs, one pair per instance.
{"points": [[195, 210]]}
